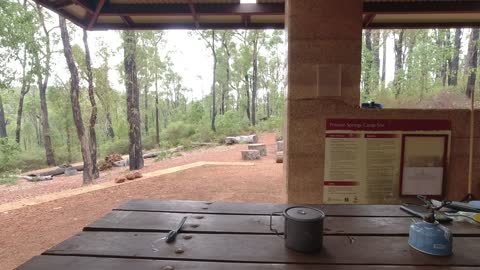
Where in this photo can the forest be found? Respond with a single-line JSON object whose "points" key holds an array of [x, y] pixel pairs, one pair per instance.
{"points": [[434, 68], [47, 120]]}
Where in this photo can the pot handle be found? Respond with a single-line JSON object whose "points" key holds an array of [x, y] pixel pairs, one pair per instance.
{"points": [[277, 233]]}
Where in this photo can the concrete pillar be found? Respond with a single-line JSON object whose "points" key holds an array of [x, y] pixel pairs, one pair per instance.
{"points": [[324, 65]]}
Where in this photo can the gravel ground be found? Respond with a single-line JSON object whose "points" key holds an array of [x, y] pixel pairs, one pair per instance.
{"points": [[28, 231]]}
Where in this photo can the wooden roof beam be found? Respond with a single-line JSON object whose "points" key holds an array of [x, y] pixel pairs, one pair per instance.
{"points": [[95, 15], [185, 10], [62, 4], [194, 13], [85, 5], [127, 20], [368, 19], [166, 26], [246, 20], [421, 7]]}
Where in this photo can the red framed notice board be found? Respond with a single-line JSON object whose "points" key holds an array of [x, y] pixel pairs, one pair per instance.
{"points": [[377, 160]]}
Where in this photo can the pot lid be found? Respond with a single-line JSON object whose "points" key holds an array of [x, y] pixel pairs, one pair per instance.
{"points": [[303, 213]]}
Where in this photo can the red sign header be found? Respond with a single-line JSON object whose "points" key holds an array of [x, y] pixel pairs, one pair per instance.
{"points": [[388, 124]]}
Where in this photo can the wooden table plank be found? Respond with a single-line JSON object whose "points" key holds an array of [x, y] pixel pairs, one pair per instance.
{"points": [[375, 250], [82, 263], [256, 224], [257, 208]]}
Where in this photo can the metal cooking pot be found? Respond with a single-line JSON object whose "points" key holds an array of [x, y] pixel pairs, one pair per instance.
{"points": [[303, 230]]}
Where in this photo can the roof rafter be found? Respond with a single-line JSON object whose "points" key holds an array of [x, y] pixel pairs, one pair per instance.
{"points": [[194, 13], [368, 19], [95, 15], [127, 20]]}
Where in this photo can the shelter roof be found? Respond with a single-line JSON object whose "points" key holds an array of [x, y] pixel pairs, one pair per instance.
{"points": [[231, 14]]}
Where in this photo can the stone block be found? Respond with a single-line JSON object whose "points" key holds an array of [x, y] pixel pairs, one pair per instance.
{"points": [[324, 52], [262, 148], [70, 171], [279, 157], [280, 145], [250, 154]]}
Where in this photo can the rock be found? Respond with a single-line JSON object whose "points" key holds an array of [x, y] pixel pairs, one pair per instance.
{"points": [[130, 176], [120, 180], [137, 174], [70, 171], [279, 157], [262, 148], [121, 163], [250, 154], [280, 146]]}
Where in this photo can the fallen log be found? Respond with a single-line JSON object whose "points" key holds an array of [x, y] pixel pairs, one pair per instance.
{"points": [[199, 144], [241, 139], [35, 178], [60, 170]]}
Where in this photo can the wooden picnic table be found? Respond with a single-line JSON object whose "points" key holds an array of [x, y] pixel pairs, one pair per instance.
{"points": [[237, 236]]}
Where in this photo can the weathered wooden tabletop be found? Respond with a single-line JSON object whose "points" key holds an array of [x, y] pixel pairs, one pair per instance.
{"points": [[237, 236]]}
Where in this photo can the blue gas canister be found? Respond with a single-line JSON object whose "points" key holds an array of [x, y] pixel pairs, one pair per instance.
{"points": [[430, 237]]}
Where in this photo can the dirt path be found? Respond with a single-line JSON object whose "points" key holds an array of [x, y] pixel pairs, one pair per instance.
{"points": [[28, 231]]}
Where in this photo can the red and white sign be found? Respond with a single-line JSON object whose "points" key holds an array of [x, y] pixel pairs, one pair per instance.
{"points": [[364, 158]]}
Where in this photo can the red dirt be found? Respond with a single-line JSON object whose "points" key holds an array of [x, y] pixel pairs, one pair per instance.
{"points": [[28, 231]]}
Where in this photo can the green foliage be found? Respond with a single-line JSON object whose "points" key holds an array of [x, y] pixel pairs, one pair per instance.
{"points": [[274, 123], [231, 124], [8, 178], [177, 131], [9, 151], [118, 146]]}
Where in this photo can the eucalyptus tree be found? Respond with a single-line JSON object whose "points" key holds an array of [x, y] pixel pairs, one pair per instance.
{"points": [[76, 110], [16, 46], [133, 96], [42, 69], [104, 91], [150, 72], [93, 115], [210, 37], [454, 63], [471, 62]]}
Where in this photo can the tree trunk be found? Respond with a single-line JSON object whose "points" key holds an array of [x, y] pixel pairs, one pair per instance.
{"points": [[133, 100], [453, 65], [93, 103], [247, 91], [74, 98], [369, 61], [398, 46], [448, 58], [440, 75], [472, 62], [255, 79], [42, 87], [157, 124], [69, 144], [384, 57], [23, 91], [146, 108], [268, 105], [3, 123], [214, 108], [110, 132], [376, 59], [18, 129]]}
